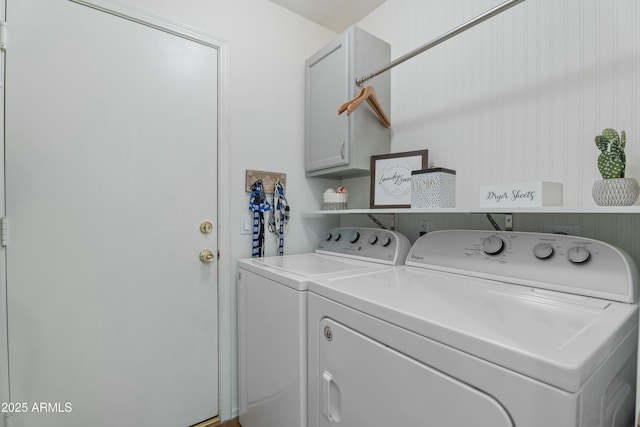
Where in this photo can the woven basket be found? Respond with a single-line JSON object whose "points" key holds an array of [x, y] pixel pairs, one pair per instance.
{"points": [[616, 192]]}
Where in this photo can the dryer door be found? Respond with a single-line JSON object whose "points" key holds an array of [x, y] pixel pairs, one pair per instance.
{"points": [[367, 383]]}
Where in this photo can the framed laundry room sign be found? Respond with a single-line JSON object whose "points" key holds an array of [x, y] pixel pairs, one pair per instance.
{"points": [[391, 178]]}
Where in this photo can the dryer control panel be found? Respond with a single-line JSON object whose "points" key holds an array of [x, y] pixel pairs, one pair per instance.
{"points": [[565, 263], [389, 247]]}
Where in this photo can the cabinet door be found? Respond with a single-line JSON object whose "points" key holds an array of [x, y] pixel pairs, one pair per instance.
{"points": [[327, 142]]}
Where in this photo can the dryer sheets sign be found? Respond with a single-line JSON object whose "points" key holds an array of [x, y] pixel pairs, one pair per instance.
{"points": [[521, 195]]}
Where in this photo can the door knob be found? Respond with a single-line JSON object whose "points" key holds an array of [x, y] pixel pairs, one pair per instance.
{"points": [[206, 256]]}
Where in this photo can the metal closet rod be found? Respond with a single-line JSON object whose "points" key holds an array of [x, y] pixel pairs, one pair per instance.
{"points": [[462, 28]]}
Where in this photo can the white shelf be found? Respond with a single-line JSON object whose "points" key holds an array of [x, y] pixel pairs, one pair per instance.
{"points": [[545, 210]]}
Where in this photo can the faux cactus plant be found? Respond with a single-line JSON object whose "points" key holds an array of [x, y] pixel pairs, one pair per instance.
{"points": [[611, 161]]}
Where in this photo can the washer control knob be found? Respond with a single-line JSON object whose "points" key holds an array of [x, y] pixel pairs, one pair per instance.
{"points": [[337, 237], [384, 241], [373, 239], [543, 250], [492, 245], [578, 254], [327, 237], [354, 236]]}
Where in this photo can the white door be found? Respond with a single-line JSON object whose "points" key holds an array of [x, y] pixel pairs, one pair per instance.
{"points": [[111, 141]]}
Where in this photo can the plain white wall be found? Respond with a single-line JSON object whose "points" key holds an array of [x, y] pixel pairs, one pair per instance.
{"points": [[264, 129]]}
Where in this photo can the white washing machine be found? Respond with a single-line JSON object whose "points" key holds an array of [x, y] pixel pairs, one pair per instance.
{"points": [[272, 321], [489, 329]]}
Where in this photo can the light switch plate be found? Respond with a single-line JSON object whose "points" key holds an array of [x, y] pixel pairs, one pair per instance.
{"points": [[245, 224]]}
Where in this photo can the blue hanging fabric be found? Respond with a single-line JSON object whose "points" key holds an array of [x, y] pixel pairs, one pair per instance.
{"points": [[258, 204], [279, 215]]}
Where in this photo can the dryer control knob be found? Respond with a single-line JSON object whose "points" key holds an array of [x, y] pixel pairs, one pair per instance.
{"points": [[337, 237], [578, 254], [354, 236], [373, 239], [384, 241], [327, 237], [543, 250], [492, 245]]}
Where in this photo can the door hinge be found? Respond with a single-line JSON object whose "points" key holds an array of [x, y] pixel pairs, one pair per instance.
{"points": [[4, 231], [3, 35]]}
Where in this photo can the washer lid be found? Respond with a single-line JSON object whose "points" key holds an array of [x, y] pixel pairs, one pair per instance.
{"points": [[296, 270], [554, 337]]}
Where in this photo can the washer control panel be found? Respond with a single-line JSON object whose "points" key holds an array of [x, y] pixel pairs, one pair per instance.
{"points": [[566, 263], [494, 244], [386, 246]]}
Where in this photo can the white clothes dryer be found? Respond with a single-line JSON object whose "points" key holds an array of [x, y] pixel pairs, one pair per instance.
{"points": [[272, 321], [490, 329]]}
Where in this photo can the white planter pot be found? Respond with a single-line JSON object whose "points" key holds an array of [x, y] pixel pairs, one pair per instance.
{"points": [[616, 192]]}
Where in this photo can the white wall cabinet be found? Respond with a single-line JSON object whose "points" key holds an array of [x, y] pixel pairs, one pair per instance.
{"points": [[341, 145]]}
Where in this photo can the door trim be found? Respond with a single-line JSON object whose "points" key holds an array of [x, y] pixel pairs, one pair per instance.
{"points": [[151, 20], [225, 400], [4, 331]]}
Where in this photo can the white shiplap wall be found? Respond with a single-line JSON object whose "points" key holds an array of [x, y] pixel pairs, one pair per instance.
{"points": [[521, 96], [517, 98]]}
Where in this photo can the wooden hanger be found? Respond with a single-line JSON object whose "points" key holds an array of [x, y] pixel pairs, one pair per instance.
{"points": [[366, 94], [345, 106]]}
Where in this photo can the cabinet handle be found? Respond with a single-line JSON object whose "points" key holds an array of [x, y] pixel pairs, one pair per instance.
{"points": [[342, 150]]}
